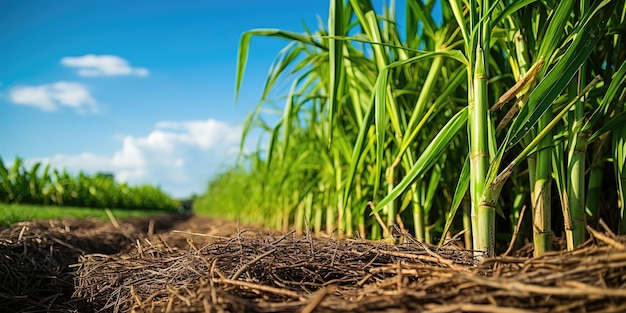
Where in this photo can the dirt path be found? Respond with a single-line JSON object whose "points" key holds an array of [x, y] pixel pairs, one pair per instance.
{"points": [[37, 257], [197, 264]]}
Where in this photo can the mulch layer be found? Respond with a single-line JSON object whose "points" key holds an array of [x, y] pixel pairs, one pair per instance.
{"points": [[181, 264]]}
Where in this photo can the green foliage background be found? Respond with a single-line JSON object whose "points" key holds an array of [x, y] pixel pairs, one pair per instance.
{"points": [[37, 185]]}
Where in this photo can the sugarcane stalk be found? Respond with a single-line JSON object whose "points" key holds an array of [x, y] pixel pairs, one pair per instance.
{"points": [[576, 160], [596, 174], [576, 180], [542, 226], [418, 214], [483, 215]]}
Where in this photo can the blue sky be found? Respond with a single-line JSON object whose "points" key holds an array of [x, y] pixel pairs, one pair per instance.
{"points": [[141, 89]]}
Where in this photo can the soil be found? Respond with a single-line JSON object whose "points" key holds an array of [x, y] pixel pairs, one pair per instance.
{"points": [[183, 263]]}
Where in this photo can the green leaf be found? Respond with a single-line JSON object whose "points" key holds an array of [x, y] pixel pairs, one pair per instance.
{"points": [[605, 107], [335, 26], [380, 120], [358, 151], [455, 81], [244, 46], [429, 157], [459, 194], [613, 123], [510, 9], [288, 112], [542, 97]]}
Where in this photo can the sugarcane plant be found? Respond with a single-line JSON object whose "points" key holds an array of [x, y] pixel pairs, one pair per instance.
{"points": [[482, 105], [20, 184]]}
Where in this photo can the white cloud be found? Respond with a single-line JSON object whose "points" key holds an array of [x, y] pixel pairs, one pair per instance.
{"points": [[178, 156], [88, 161], [49, 97], [103, 65], [203, 134]]}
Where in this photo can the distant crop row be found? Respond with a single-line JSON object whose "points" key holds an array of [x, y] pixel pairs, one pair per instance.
{"points": [[47, 186]]}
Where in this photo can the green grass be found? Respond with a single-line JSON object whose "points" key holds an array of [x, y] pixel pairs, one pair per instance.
{"points": [[13, 213]]}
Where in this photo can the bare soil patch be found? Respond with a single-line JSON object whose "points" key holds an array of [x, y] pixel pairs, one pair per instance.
{"points": [[181, 264]]}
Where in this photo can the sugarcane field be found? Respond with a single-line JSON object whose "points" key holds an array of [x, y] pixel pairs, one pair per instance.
{"points": [[396, 156], [192, 264]]}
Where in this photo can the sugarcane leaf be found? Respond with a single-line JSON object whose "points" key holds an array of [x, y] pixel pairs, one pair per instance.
{"points": [[428, 157], [459, 193], [271, 146], [554, 28], [288, 113], [433, 183], [244, 45], [457, 10], [614, 122], [358, 150], [4, 172], [457, 79], [420, 13], [562, 73], [615, 87], [380, 120], [335, 25], [422, 55], [510, 9]]}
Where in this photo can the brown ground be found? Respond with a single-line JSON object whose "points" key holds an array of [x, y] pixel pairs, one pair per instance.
{"points": [[181, 264]]}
